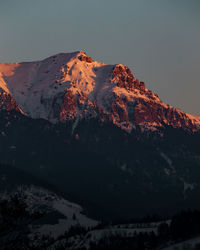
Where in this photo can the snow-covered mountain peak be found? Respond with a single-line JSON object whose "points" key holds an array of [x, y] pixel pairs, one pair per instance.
{"points": [[73, 85], [31, 83]]}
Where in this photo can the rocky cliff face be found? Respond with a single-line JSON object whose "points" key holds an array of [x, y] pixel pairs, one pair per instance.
{"points": [[7, 102], [73, 86]]}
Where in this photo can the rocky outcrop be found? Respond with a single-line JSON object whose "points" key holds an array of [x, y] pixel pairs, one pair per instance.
{"points": [[7, 102], [69, 108]]}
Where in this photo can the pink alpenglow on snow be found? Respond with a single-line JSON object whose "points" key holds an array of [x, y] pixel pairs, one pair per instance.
{"points": [[72, 86]]}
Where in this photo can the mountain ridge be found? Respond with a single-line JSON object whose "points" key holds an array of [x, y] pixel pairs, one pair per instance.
{"points": [[72, 86]]}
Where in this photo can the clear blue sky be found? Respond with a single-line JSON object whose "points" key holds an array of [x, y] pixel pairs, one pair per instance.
{"points": [[158, 39]]}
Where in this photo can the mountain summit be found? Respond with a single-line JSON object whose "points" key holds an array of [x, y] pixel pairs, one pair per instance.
{"points": [[72, 86]]}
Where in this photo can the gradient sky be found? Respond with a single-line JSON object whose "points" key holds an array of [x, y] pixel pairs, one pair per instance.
{"points": [[158, 39]]}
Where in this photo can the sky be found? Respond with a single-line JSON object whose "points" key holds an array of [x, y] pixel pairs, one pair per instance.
{"points": [[158, 39]]}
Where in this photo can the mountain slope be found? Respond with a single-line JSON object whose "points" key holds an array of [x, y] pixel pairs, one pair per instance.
{"points": [[72, 86], [111, 173], [65, 120]]}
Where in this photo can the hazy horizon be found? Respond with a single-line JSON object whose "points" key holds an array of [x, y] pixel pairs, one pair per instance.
{"points": [[158, 40]]}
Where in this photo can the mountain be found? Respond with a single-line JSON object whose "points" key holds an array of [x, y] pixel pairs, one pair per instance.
{"points": [[72, 87], [99, 136]]}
